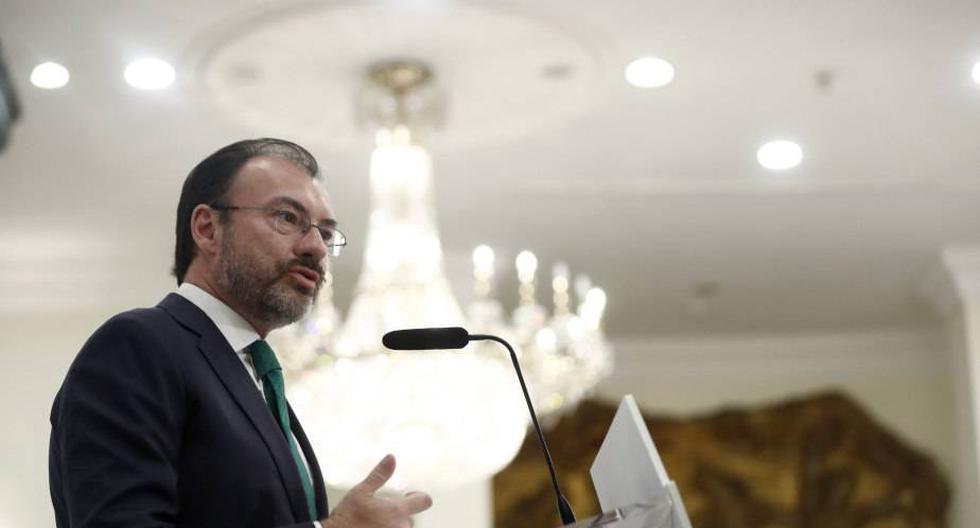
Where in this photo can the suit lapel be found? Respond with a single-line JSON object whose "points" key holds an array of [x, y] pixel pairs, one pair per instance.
{"points": [[234, 377]]}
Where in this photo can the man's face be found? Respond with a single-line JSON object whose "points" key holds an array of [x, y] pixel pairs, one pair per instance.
{"points": [[271, 277]]}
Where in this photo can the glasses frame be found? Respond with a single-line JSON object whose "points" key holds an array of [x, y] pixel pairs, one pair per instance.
{"points": [[334, 240]]}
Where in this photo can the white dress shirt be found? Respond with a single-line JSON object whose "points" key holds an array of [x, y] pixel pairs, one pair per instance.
{"points": [[239, 334]]}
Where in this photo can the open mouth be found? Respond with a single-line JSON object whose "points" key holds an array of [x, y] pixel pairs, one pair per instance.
{"points": [[306, 277]]}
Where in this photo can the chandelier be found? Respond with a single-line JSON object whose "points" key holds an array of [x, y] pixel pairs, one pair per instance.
{"points": [[449, 416]]}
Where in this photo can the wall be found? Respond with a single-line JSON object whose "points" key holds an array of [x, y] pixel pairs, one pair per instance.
{"points": [[902, 377], [37, 350]]}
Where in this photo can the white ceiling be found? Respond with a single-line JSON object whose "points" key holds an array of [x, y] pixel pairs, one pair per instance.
{"points": [[651, 192]]}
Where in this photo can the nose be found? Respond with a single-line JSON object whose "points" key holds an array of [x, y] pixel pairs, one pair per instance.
{"points": [[311, 244]]}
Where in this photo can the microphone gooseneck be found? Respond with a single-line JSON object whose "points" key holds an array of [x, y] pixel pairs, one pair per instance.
{"points": [[456, 337], [564, 509]]}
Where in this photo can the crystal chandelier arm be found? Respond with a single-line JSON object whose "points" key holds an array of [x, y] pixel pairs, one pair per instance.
{"points": [[564, 509]]}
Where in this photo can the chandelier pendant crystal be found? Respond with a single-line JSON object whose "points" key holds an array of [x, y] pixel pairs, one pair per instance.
{"points": [[449, 417]]}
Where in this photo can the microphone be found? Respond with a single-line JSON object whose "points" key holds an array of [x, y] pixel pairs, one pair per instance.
{"points": [[426, 338], [456, 337]]}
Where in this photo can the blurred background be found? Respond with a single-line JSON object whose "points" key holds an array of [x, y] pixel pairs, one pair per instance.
{"points": [[775, 205]]}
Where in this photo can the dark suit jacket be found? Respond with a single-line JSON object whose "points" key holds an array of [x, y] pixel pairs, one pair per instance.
{"points": [[158, 424]]}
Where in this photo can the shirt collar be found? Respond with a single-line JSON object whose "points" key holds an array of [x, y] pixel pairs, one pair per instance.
{"points": [[232, 326]]}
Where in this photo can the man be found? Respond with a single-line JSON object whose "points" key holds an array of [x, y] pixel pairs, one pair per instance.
{"points": [[175, 415]]}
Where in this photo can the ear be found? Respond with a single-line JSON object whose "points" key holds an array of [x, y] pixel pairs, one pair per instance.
{"points": [[205, 230]]}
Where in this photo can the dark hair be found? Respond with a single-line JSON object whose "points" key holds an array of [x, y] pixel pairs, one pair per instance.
{"points": [[209, 181]]}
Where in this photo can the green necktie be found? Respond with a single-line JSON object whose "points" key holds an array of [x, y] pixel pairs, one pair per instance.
{"points": [[268, 370]]}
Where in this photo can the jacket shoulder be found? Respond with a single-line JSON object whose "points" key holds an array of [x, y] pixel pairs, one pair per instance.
{"points": [[141, 324], [132, 353], [139, 340]]}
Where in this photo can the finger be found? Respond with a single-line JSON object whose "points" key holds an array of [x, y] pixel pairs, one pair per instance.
{"points": [[379, 475], [416, 502]]}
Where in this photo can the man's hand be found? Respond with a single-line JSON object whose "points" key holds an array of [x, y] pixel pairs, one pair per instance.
{"points": [[361, 508]]}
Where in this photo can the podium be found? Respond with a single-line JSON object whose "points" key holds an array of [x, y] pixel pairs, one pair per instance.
{"points": [[630, 480], [660, 515]]}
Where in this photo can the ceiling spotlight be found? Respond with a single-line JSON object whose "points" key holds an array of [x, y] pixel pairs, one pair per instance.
{"points": [[976, 72], [649, 72], [149, 74], [779, 155], [49, 75]]}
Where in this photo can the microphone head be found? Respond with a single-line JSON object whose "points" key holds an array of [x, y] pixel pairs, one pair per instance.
{"points": [[426, 338]]}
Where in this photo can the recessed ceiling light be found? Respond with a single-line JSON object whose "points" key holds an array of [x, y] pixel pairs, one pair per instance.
{"points": [[149, 74], [976, 72], [779, 155], [49, 75], [649, 72]]}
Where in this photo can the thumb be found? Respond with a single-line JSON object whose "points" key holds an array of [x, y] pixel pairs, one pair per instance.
{"points": [[417, 502], [379, 475]]}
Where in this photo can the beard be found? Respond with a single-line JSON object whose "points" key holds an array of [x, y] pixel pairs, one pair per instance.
{"points": [[261, 286]]}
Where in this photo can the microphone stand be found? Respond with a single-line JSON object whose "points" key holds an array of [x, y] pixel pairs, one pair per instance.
{"points": [[564, 509]]}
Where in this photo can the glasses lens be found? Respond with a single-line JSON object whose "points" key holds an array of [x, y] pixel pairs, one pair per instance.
{"points": [[286, 222], [333, 238]]}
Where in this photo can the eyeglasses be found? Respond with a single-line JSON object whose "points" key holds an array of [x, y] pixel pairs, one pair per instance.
{"points": [[287, 222]]}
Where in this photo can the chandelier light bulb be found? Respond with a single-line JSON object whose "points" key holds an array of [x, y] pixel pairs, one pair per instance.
{"points": [[779, 155], [483, 259], [976, 72], [596, 298], [483, 269], [593, 307], [559, 283], [649, 72], [559, 278], [546, 339], [527, 265], [49, 75], [149, 74]]}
